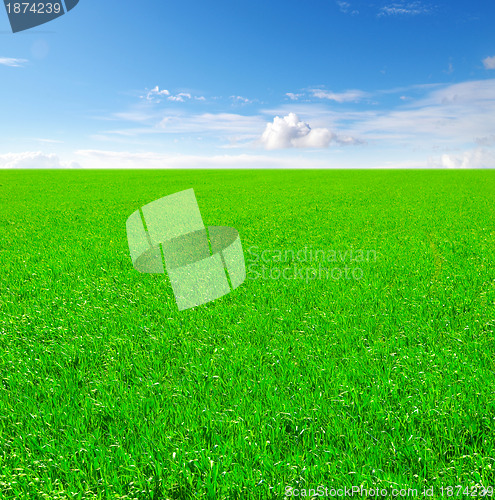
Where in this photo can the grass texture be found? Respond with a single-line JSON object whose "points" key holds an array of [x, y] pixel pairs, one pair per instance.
{"points": [[384, 378]]}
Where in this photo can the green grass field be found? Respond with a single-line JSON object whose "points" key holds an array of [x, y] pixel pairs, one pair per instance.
{"points": [[108, 391]]}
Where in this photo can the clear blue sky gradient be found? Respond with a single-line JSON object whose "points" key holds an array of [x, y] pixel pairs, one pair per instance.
{"points": [[77, 90]]}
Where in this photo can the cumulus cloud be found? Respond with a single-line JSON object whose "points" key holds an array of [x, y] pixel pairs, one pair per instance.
{"points": [[475, 158], [489, 62], [12, 62], [348, 96], [156, 94], [424, 119], [34, 160], [291, 132]]}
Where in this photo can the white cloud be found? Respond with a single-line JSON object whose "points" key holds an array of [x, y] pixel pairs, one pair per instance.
{"points": [[292, 96], [290, 132], [475, 158], [421, 87], [281, 159], [49, 141], [124, 159], [465, 93], [434, 117], [134, 116], [346, 8], [425, 119], [449, 116], [348, 96], [179, 97], [12, 62], [347, 140], [156, 94], [404, 8], [488, 140], [220, 126], [34, 160], [240, 100], [489, 62], [227, 123]]}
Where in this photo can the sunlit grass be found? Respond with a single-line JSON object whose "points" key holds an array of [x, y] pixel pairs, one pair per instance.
{"points": [[107, 391]]}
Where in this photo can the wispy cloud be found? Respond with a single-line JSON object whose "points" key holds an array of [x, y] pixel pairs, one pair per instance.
{"points": [[150, 160], [181, 97], [489, 62], [223, 123], [433, 117], [421, 87], [12, 62], [423, 120], [488, 140], [475, 158], [347, 96], [292, 96], [468, 94], [34, 160], [135, 115], [346, 8], [238, 99], [404, 8], [49, 141], [225, 127], [156, 95], [448, 117]]}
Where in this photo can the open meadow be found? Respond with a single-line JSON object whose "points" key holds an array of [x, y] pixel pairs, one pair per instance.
{"points": [[360, 350]]}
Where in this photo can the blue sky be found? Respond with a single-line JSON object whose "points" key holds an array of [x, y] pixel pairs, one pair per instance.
{"points": [[298, 83]]}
